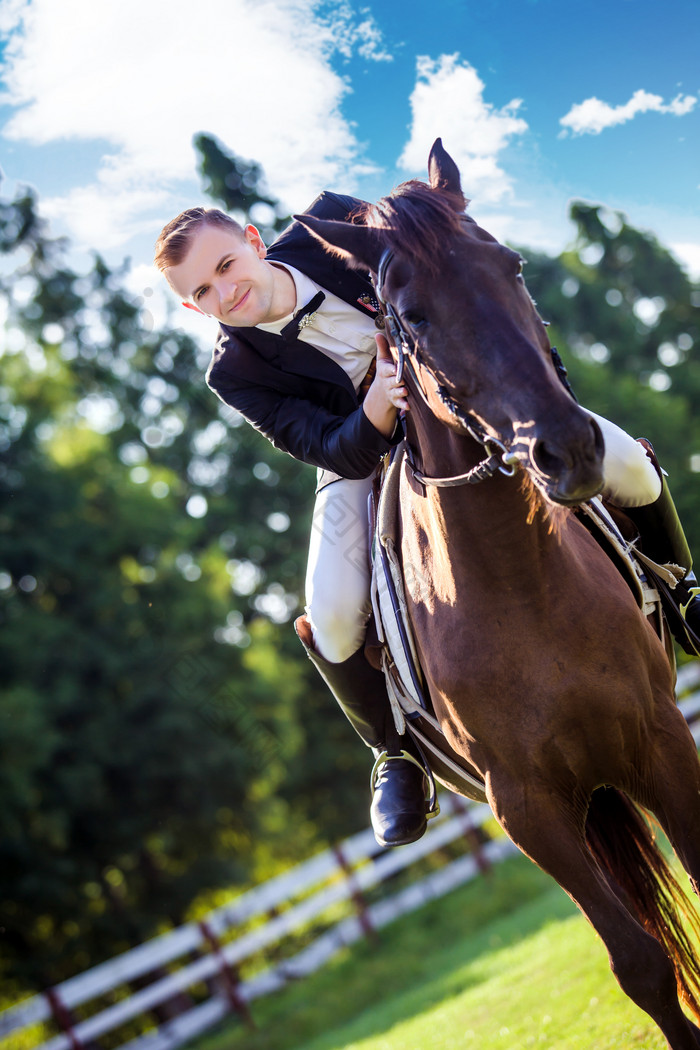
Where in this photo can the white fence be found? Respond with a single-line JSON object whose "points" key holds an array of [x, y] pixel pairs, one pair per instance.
{"points": [[206, 955]]}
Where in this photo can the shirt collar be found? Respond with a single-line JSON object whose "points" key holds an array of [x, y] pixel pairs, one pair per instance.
{"points": [[305, 290]]}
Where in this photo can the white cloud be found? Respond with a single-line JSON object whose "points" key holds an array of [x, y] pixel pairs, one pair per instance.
{"points": [[143, 76], [688, 253], [593, 115], [448, 101], [10, 14], [545, 229], [102, 215], [365, 37]]}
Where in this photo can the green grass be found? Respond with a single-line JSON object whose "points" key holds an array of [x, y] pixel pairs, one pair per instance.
{"points": [[507, 963]]}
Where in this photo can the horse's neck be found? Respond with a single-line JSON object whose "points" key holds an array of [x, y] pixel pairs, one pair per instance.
{"points": [[439, 450], [498, 522]]}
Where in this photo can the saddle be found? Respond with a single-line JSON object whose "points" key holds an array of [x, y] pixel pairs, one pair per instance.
{"points": [[398, 658], [651, 584]]}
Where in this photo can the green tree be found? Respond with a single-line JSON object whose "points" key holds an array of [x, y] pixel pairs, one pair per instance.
{"points": [[140, 747], [161, 732], [624, 315], [238, 186]]}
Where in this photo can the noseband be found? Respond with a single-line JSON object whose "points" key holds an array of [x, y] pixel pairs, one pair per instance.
{"points": [[498, 457]]}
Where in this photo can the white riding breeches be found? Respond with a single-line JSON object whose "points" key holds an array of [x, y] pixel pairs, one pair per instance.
{"points": [[338, 603], [629, 477]]}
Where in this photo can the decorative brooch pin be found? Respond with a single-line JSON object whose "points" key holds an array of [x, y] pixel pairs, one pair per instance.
{"points": [[307, 320], [375, 306]]}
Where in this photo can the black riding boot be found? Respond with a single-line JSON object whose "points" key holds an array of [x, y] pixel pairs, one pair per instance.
{"points": [[399, 809], [661, 538]]}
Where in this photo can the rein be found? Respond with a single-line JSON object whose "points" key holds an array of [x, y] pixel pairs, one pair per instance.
{"points": [[498, 457]]}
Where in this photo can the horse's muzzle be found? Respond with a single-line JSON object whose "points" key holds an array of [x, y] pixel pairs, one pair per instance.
{"points": [[571, 471]]}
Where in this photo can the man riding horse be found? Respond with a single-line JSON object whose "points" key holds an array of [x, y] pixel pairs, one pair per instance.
{"points": [[299, 356]]}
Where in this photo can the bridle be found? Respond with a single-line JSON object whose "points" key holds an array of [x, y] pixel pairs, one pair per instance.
{"points": [[499, 459]]}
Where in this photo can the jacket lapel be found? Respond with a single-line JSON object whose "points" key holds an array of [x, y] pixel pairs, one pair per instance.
{"points": [[301, 249], [295, 357], [304, 360]]}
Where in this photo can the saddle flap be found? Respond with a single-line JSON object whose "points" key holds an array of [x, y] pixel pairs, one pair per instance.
{"points": [[408, 696]]}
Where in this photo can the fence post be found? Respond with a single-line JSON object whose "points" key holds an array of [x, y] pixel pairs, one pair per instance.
{"points": [[357, 895], [228, 975], [62, 1017]]}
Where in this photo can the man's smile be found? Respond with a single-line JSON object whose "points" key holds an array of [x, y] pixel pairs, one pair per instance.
{"points": [[239, 302]]}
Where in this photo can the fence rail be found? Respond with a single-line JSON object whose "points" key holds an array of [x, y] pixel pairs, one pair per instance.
{"points": [[212, 953]]}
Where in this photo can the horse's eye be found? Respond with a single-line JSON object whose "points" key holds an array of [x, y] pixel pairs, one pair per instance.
{"points": [[521, 263], [415, 319]]}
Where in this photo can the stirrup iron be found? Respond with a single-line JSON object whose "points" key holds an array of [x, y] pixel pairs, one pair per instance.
{"points": [[431, 799]]}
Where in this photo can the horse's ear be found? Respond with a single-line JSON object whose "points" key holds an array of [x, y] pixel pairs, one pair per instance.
{"points": [[360, 245], [444, 175]]}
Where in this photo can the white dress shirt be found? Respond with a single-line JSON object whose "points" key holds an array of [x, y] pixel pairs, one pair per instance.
{"points": [[336, 329]]}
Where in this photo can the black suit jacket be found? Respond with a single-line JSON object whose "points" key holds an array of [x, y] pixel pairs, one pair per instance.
{"points": [[300, 399]]}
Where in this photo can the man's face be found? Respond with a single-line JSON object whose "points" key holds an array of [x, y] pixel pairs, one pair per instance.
{"points": [[225, 276]]}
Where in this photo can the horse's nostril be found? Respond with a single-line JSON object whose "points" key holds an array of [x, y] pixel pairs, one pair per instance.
{"points": [[547, 460], [573, 472]]}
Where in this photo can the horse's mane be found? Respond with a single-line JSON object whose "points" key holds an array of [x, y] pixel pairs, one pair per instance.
{"points": [[415, 215]]}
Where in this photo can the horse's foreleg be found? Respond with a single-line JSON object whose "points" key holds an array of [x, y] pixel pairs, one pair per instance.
{"points": [[547, 829]]}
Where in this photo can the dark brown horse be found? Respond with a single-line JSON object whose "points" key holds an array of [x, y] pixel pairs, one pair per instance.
{"points": [[543, 671]]}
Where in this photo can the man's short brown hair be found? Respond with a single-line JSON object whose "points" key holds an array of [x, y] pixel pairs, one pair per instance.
{"points": [[176, 236]]}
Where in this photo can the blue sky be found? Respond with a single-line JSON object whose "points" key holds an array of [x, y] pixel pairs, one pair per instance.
{"points": [[540, 101]]}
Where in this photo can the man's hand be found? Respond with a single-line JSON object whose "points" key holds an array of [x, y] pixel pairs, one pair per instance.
{"points": [[385, 396]]}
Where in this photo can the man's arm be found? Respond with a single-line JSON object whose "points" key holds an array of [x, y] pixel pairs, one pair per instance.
{"points": [[350, 446]]}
